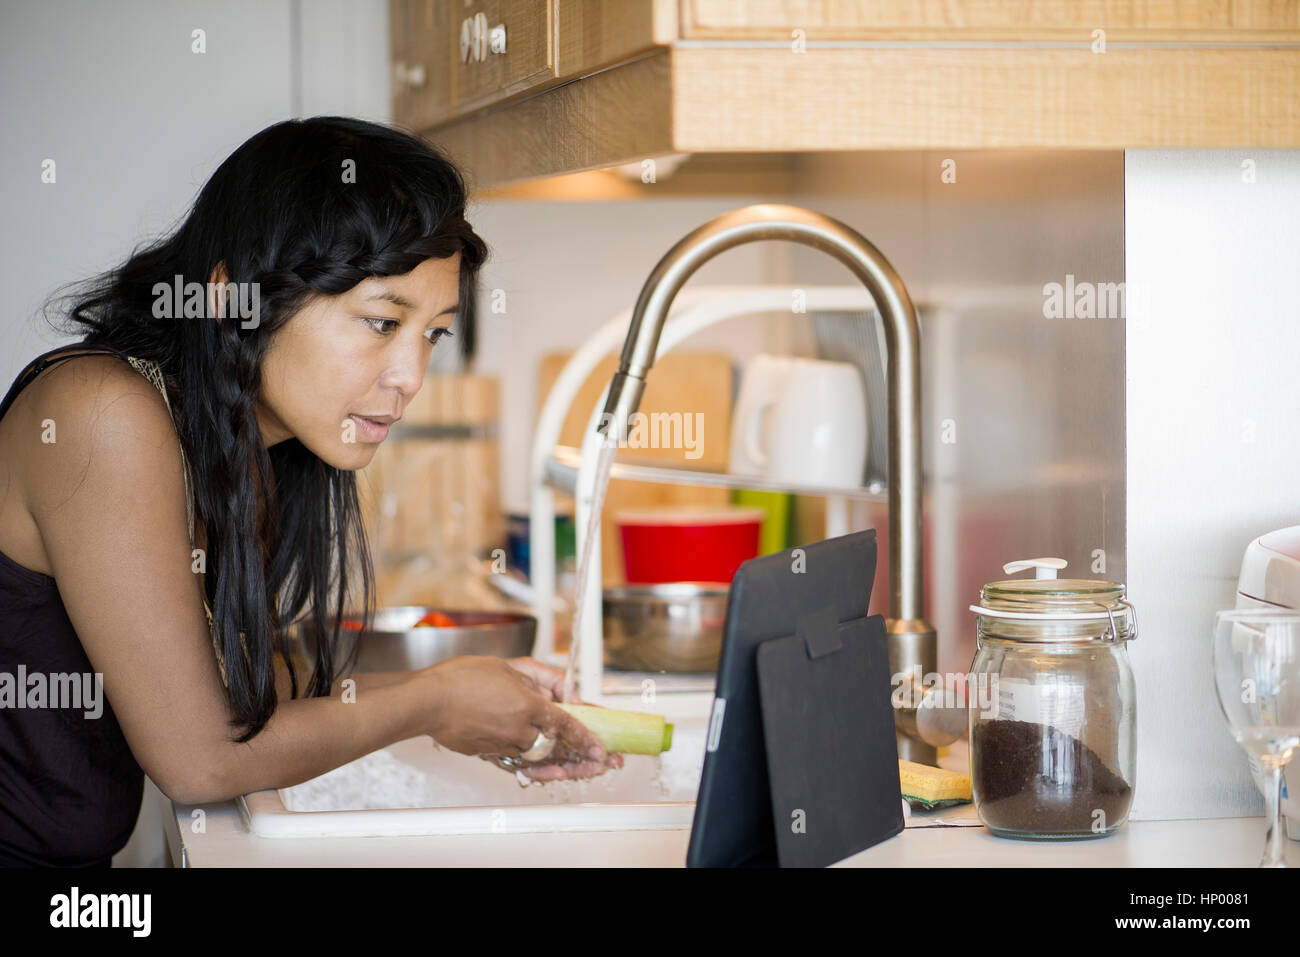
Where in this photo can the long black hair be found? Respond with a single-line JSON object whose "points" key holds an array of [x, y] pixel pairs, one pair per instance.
{"points": [[305, 207]]}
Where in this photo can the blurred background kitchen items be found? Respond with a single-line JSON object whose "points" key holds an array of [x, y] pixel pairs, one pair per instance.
{"points": [[395, 643], [1052, 728], [1257, 677], [673, 627], [778, 515], [858, 338], [430, 497], [1270, 578], [944, 715], [761, 384], [801, 422], [688, 542], [691, 388], [518, 546]]}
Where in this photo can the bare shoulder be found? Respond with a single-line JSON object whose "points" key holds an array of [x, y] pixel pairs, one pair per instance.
{"points": [[87, 415]]}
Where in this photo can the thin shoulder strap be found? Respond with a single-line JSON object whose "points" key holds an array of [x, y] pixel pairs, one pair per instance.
{"points": [[153, 373], [43, 362]]}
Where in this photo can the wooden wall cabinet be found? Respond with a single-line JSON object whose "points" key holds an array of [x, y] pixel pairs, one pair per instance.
{"points": [[420, 39], [586, 84]]}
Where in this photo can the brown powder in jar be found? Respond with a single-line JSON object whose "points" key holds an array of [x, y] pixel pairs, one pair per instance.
{"points": [[1032, 777]]}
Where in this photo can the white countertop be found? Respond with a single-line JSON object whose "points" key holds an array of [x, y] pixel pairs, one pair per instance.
{"points": [[224, 842], [947, 838]]}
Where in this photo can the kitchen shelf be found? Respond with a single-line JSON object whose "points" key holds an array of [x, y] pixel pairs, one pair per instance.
{"points": [[562, 474]]}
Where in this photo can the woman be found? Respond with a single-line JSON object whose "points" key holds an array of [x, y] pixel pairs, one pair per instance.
{"points": [[184, 489]]}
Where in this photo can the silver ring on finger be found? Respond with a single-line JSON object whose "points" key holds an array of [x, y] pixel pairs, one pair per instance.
{"points": [[540, 749]]}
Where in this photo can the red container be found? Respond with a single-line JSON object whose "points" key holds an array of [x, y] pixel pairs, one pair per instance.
{"points": [[688, 543]]}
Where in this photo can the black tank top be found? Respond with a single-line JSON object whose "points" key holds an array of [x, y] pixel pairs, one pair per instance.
{"points": [[70, 788]]}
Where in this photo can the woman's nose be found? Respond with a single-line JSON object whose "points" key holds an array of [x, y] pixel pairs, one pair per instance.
{"points": [[406, 374]]}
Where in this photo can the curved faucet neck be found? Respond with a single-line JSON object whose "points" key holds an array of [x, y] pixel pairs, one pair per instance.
{"points": [[767, 221]]}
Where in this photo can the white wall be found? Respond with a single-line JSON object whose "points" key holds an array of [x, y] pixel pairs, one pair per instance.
{"points": [[136, 123], [1213, 450]]}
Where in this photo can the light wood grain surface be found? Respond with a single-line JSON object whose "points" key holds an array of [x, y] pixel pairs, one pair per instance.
{"points": [[689, 383]]}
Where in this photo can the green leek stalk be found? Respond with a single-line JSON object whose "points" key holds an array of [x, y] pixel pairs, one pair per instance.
{"points": [[624, 732]]}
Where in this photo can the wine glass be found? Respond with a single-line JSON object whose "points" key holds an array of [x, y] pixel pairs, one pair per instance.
{"points": [[1257, 676]]}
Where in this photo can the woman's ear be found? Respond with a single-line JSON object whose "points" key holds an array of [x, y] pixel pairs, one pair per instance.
{"points": [[218, 302]]}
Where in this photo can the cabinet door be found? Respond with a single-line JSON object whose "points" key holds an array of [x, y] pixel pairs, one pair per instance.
{"points": [[529, 58], [452, 57], [421, 45]]}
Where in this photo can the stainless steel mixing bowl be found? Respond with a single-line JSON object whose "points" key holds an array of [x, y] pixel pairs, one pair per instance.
{"points": [[393, 643], [675, 627]]}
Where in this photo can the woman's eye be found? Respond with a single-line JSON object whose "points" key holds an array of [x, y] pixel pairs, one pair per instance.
{"points": [[372, 320], [379, 326]]}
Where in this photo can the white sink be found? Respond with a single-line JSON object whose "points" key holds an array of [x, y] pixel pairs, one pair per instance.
{"points": [[416, 787]]}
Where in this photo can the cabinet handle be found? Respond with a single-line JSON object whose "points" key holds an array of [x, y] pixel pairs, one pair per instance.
{"points": [[408, 77], [480, 36], [477, 39], [465, 40]]}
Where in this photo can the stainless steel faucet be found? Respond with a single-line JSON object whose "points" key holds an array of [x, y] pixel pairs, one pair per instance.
{"points": [[912, 640]]}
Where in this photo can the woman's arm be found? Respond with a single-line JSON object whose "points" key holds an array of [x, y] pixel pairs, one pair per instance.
{"points": [[363, 680], [309, 736], [369, 680], [109, 499]]}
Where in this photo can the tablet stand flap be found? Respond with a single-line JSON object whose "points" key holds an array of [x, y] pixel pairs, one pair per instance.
{"points": [[828, 728], [820, 631]]}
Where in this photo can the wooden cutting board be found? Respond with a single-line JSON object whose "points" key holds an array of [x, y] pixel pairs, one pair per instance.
{"points": [[431, 499], [699, 384]]}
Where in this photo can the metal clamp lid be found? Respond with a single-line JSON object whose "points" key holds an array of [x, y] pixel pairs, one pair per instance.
{"points": [[1108, 614], [1046, 569]]}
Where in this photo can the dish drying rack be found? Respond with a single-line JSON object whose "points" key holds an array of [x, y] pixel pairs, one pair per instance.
{"points": [[555, 467]]}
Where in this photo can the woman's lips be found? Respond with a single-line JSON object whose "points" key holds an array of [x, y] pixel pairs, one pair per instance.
{"points": [[372, 431]]}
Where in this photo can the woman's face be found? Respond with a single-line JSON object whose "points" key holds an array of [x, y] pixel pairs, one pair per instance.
{"points": [[344, 360]]}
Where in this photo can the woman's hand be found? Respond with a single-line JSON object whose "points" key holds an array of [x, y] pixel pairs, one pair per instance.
{"points": [[550, 681], [488, 706], [563, 761]]}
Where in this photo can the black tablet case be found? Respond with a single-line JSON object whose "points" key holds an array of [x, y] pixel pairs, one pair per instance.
{"points": [[733, 824], [831, 748]]}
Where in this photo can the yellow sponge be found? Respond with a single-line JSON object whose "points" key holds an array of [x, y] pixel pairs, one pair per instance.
{"points": [[931, 787]]}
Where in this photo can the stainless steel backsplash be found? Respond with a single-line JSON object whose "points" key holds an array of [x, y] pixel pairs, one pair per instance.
{"points": [[1024, 450]]}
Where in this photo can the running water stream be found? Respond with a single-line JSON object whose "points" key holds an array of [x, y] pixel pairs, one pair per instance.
{"points": [[604, 462]]}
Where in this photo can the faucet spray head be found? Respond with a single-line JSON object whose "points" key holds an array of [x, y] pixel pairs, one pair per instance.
{"points": [[625, 392]]}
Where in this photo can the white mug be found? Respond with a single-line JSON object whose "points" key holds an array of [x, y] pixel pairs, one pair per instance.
{"points": [[800, 422]]}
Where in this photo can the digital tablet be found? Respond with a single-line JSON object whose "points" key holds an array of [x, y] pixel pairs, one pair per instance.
{"points": [[733, 824]]}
